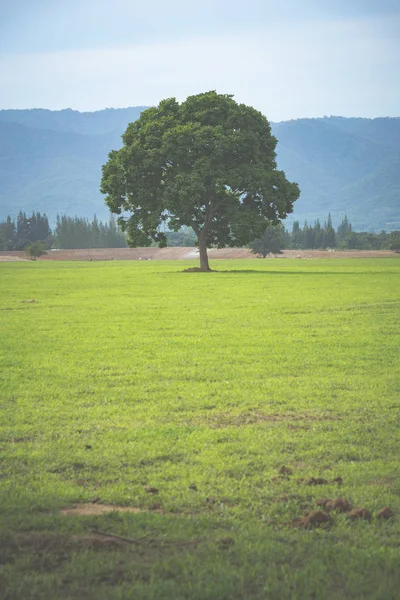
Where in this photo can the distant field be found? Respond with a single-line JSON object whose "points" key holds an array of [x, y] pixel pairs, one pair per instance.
{"points": [[184, 253], [164, 434]]}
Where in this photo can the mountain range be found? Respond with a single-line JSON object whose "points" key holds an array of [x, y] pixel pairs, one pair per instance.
{"points": [[51, 161]]}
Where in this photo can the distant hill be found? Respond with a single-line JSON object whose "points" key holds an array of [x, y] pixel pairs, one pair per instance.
{"points": [[344, 166], [51, 161], [85, 123]]}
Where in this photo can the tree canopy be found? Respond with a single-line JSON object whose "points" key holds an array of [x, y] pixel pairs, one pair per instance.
{"points": [[35, 250], [207, 163]]}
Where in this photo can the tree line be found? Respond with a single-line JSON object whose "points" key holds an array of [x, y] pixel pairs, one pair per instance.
{"points": [[17, 235], [69, 232], [75, 232], [317, 236], [78, 233]]}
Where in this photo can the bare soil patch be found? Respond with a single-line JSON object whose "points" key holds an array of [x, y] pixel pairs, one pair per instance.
{"points": [[94, 509], [12, 256], [383, 481], [360, 513], [316, 481], [385, 513], [46, 551], [225, 419], [316, 518], [37, 545], [186, 253], [340, 504]]}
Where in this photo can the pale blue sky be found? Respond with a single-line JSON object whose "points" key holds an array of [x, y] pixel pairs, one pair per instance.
{"points": [[289, 58]]}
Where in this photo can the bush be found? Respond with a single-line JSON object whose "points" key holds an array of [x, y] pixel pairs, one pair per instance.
{"points": [[35, 250]]}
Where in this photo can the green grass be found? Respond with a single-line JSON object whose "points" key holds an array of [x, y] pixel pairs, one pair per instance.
{"points": [[130, 374]]}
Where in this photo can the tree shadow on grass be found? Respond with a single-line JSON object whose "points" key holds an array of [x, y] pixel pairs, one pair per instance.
{"points": [[266, 272]]}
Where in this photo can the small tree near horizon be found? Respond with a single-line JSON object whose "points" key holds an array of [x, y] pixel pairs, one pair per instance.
{"points": [[395, 241], [207, 163], [271, 242], [35, 250]]}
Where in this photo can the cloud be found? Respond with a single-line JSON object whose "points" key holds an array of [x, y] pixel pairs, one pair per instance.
{"points": [[327, 67]]}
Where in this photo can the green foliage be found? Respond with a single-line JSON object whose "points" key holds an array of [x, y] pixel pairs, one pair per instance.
{"points": [[313, 237], [329, 236], [70, 232], [344, 230], [219, 384], [271, 242], [394, 241], [75, 232], [7, 234], [35, 250], [297, 236], [16, 236], [208, 163], [183, 237]]}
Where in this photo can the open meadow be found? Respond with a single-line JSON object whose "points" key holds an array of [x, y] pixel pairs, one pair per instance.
{"points": [[164, 434]]}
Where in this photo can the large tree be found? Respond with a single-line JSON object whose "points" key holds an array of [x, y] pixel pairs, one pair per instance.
{"points": [[207, 163]]}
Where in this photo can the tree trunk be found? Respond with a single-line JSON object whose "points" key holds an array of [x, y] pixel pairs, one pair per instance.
{"points": [[204, 266]]}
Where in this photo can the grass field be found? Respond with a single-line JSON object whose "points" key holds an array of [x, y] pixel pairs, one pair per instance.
{"points": [[182, 396]]}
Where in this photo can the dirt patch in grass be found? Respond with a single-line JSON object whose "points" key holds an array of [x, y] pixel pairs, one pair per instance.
{"points": [[94, 509], [316, 481], [285, 498], [58, 546], [340, 504], [46, 551], [385, 513], [225, 419], [382, 481], [311, 481], [360, 513], [316, 518]]}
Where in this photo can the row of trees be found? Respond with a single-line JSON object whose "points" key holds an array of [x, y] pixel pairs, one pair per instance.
{"points": [[75, 232], [317, 236], [276, 238], [17, 235], [70, 232]]}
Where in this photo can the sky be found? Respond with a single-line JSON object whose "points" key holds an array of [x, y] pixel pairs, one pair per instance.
{"points": [[287, 58]]}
